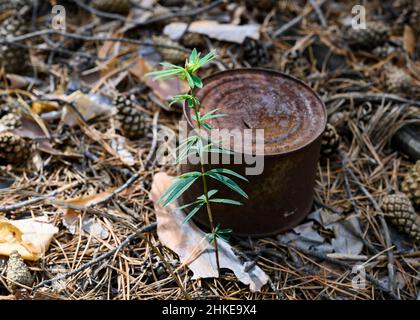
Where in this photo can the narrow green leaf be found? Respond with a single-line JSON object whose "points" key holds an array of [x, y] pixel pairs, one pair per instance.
{"points": [[197, 81], [186, 205], [171, 188], [227, 201], [180, 189], [193, 56], [227, 171], [206, 59], [228, 182], [186, 141], [185, 152], [210, 193], [190, 174], [171, 65], [193, 212], [190, 80], [207, 126]]}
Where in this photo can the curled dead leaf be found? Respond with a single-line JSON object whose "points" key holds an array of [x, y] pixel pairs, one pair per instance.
{"points": [[192, 245], [30, 237], [89, 224], [88, 106]]}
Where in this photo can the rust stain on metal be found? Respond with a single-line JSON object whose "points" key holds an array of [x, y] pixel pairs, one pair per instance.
{"points": [[293, 117]]}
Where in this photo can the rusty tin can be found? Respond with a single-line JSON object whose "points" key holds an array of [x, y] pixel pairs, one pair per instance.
{"points": [[293, 118]]}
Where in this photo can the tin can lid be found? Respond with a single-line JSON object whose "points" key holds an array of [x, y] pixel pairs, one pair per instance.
{"points": [[291, 113]]}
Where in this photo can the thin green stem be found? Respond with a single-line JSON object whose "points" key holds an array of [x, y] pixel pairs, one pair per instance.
{"points": [[205, 190]]}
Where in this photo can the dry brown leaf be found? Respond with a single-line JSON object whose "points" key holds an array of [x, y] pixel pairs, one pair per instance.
{"points": [[215, 30], [30, 237], [409, 40], [30, 129], [89, 106], [89, 224], [44, 106], [192, 246], [164, 89]]}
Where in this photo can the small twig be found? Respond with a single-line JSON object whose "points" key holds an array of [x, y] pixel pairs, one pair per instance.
{"points": [[295, 21], [385, 230], [169, 269], [44, 32], [376, 283], [185, 13], [22, 204], [371, 96], [126, 242], [319, 13], [99, 13]]}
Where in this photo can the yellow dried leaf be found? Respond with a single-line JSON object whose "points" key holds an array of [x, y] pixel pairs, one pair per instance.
{"points": [[44, 106], [30, 237]]}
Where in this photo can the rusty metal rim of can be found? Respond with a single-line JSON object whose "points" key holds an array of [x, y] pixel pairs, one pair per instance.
{"points": [[186, 109]]}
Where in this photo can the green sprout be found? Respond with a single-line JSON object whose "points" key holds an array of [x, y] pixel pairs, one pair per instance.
{"points": [[199, 146]]}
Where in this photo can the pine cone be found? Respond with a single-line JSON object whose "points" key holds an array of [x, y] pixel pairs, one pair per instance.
{"points": [[397, 80], [401, 213], [155, 268], [411, 184], [13, 148], [330, 140], [375, 34], [12, 57], [193, 40], [120, 6], [255, 52], [17, 272], [171, 55], [10, 121], [132, 120]]}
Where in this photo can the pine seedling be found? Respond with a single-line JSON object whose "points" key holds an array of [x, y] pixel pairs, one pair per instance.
{"points": [[198, 145]]}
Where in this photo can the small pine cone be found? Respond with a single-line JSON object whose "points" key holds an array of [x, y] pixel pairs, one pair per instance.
{"points": [[17, 272], [12, 57], [255, 52], [120, 6], [170, 53], [10, 121], [411, 184], [397, 80], [155, 268], [401, 213], [13, 148], [193, 40], [330, 140], [375, 34], [132, 120]]}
